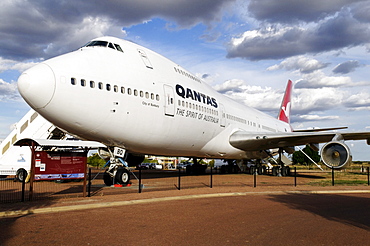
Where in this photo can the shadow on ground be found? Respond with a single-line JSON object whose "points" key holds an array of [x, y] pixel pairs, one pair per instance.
{"points": [[348, 209]]}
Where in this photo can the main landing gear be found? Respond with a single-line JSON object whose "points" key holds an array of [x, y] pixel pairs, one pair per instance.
{"points": [[281, 169]]}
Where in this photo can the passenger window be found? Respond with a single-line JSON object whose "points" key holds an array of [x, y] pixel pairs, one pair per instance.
{"points": [[146, 94], [152, 96], [135, 92], [24, 126], [33, 117], [92, 84], [108, 87], [14, 138], [157, 97], [129, 91], [141, 94], [6, 147], [115, 88], [73, 81], [123, 90], [100, 85], [83, 82]]}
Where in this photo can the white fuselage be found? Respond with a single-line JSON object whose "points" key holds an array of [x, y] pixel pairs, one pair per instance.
{"points": [[141, 101]]}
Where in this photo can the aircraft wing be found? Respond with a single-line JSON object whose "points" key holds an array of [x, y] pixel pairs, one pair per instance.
{"points": [[248, 141]]}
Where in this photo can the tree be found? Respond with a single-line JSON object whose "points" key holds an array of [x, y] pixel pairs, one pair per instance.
{"points": [[95, 160], [300, 158]]}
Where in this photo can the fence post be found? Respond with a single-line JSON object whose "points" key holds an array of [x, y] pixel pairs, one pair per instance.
{"points": [[255, 178], [332, 176], [24, 174], [89, 184], [179, 180], [368, 175], [295, 176], [140, 179], [211, 183]]}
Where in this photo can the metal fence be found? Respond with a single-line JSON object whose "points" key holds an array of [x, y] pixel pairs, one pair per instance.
{"points": [[156, 180]]}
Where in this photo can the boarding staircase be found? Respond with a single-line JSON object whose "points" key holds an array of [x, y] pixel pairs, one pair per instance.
{"points": [[15, 159]]}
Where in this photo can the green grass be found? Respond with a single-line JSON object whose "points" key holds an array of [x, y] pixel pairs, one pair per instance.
{"points": [[338, 182]]}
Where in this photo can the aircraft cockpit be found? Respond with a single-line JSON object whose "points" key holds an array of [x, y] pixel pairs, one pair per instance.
{"points": [[100, 43]]}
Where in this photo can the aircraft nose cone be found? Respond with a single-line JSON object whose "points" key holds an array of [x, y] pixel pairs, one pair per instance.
{"points": [[37, 85]]}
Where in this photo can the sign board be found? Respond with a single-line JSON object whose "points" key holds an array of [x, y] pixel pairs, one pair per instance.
{"points": [[56, 165]]}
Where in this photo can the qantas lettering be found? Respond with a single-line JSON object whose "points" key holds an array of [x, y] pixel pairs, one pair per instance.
{"points": [[196, 96]]}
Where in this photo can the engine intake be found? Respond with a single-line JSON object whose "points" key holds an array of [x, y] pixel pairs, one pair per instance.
{"points": [[335, 155]]}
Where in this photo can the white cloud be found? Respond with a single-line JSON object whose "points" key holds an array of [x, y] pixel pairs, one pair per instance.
{"points": [[7, 64], [336, 26], [262, 98], [301, 63], [8, 91], [311, 100], [315, 117], [360, 101], [319, 79]]}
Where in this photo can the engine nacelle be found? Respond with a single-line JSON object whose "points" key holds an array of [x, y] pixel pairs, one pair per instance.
{"points": [[335, 155]]}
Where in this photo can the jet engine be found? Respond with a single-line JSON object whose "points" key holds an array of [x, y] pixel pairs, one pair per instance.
{"points": [[335, 155]]}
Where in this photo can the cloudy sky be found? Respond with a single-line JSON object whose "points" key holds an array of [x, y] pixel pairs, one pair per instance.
{"points": [[244, 49]]}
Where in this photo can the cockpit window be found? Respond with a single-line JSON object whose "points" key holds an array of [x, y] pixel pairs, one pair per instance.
{"points": [[97, 43], [110, 45], [118, 47], [104, 44]]}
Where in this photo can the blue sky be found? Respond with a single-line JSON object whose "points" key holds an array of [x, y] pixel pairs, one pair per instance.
{"points": [[244, 49]]}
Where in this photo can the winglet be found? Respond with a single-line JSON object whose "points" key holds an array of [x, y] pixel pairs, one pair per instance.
{"points": [[284, 113]]}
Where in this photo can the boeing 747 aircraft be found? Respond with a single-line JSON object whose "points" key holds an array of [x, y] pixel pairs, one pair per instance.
{"points": [[138, 102]]}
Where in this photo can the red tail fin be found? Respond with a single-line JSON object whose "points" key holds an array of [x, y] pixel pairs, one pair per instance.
{"points": [[284, 113]]}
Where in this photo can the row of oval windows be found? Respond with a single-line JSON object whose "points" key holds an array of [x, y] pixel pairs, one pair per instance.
{"points": [[187, 74], [196, 107], [122, 89]]}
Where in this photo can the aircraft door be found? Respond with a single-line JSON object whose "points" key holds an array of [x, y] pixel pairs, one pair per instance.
{"points": [[169, 98], [222, 116]]}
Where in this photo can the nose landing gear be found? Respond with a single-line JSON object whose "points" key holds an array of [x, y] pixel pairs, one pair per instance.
{"points": [[117, 172]]}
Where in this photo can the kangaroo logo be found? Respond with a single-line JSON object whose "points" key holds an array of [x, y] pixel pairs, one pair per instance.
{"points": [[286, 110]]}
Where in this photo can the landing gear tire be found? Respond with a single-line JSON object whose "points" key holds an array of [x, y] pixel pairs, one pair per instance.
{"points": [[252, 170], [261, 170], [108, 180], [285, 171], [122, 176], [21, 175], [275, 171]]}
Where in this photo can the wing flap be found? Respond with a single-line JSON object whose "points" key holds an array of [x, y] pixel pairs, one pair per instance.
{"points": [[266, 140]]}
